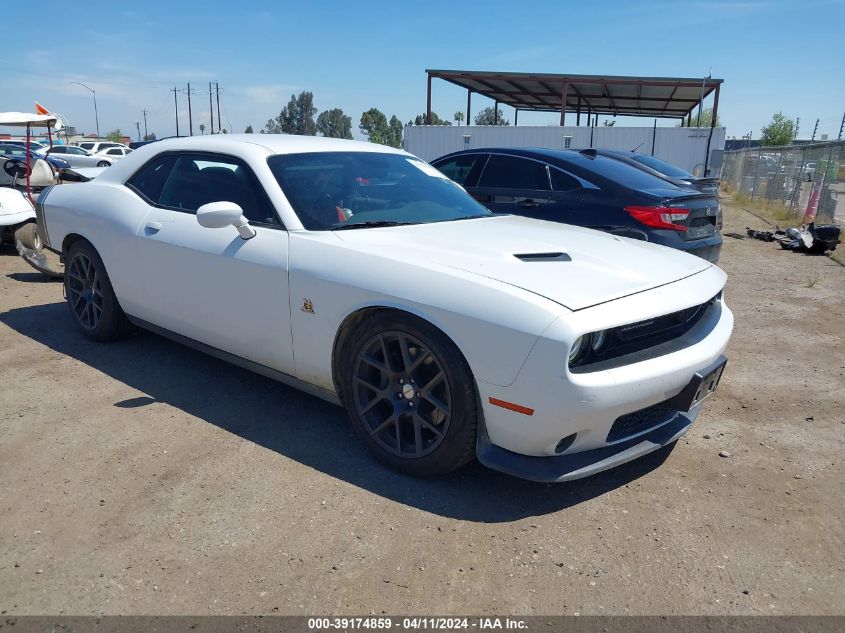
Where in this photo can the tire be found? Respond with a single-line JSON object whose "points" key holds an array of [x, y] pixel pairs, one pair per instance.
{"points": [[409, 394], [90, 296], [103, 163], [28, 236]]}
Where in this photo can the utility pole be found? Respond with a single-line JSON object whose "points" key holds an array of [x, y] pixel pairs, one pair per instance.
{"points": [[815, 129], [144, 112], [841, 127], [176, 105], [138, 127], [217, 86], [210, 108], [190, 116], [797, 121]]}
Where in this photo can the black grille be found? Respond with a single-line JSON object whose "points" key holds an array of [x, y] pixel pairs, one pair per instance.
{"points": [[642, 420], [642, 335]]}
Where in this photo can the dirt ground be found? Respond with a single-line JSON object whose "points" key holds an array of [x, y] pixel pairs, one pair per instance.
{"points": [[144, 478]]}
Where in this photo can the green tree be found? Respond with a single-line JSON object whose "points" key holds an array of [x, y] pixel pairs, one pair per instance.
{"points": [[297, 117], [459, 117], [394, 138], [150, 137], [248, 129], [779, 131], [374, 126], [706, 118], [334, 124], [487, 117], [435, 120], [115, 136]]}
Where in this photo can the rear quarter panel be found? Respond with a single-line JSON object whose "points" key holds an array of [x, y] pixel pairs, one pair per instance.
{"points": [[108, 215]]}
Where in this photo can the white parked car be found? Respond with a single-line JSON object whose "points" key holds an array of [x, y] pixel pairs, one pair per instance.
{"points": [[361, 274], [114, 153], [78, 157], [96, 146]]}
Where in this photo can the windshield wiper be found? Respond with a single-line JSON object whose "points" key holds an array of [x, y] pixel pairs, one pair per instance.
{"points": [[371, 224]]}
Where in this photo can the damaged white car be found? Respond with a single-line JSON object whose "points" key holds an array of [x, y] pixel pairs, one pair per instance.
{"points": [[361, 274]]}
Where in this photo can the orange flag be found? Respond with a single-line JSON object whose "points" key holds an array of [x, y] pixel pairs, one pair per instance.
{"points": [[40, 109]]}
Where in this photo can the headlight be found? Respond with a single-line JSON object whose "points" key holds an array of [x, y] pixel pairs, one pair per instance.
{"points": [[579, 347], [598, 340]]}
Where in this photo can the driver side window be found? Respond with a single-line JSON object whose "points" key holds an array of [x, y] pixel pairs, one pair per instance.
{"points": [[186, 181]]}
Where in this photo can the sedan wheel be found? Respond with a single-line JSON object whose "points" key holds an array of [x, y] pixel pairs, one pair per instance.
{"points": [[90, 295], [411, 396], [103, 163]]}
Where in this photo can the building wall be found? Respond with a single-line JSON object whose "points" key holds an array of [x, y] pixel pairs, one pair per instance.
{"points": [[684, 147]]}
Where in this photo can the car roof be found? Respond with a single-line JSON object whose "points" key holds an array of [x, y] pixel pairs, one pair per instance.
{"points": [[254, 146], [274, 143], [572, 157]]}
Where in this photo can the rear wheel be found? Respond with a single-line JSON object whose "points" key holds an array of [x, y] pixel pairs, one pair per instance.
{"points": [[103, 163], [410, 395], [90, 295]]}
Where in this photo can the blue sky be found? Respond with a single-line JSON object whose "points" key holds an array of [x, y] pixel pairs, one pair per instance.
{"points": [[773, 55]]}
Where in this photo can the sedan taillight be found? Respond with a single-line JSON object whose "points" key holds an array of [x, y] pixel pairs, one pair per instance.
{"points": [[659, 217]]}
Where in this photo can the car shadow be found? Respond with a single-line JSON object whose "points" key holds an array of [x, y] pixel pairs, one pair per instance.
{"points": [[302, 427]]}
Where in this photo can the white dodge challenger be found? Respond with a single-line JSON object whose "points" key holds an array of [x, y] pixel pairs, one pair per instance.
{"points": [[359, 273]]}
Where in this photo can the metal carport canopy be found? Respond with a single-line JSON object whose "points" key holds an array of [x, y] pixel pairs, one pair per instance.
{"points": [[672, 97]]}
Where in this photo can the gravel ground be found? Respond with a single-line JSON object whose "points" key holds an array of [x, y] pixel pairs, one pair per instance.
{"points": [[144, 478]]}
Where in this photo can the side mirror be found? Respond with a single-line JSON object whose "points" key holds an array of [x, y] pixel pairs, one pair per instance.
{"points": [[216, 215]]}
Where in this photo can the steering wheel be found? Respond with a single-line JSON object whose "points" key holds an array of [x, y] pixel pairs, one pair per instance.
{"points": [[16, 168]]}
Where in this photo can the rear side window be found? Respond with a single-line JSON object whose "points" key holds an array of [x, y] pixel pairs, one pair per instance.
{"points": [[59, 150], [562, 181], [86, 145], [149, 181], [510, 172], [463, 169], [114, 152]]}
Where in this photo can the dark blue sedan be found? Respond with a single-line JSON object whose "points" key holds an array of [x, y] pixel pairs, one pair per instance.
{"points": [[590, 190], [16, 151]]}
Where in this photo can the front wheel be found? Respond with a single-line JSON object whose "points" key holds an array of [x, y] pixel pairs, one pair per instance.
{"points": [[103, 163], [90, 295], [410, 395]]}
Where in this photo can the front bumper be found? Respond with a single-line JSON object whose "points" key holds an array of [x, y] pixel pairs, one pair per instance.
{"points": [[654, 428], [568, 467], [570, 419]]}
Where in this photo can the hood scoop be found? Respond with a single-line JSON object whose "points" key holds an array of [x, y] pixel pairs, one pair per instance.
{"points": [[543, 257]]}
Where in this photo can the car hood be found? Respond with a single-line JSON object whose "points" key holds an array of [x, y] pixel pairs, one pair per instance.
{"points": [[570, 265]]}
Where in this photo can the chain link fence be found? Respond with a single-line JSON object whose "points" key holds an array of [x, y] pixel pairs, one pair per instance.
{"points": [[804, 183]]}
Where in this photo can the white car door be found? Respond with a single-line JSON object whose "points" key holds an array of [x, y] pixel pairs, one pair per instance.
{"points": [[210, 284]]}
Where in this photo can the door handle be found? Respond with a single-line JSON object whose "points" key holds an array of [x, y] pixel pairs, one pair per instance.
{"points": [[528, 204], [152, 227]]}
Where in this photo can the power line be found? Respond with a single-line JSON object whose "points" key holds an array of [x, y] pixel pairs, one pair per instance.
{"points": [[210, 108], [175, 91], [220, 127], [190, 114]]}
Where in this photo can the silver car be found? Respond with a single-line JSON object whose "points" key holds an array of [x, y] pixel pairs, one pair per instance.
{"points": [[78, 157]]}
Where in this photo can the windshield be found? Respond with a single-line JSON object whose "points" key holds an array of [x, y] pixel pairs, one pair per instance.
{"points": [[330, 190], [662, 166]]}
